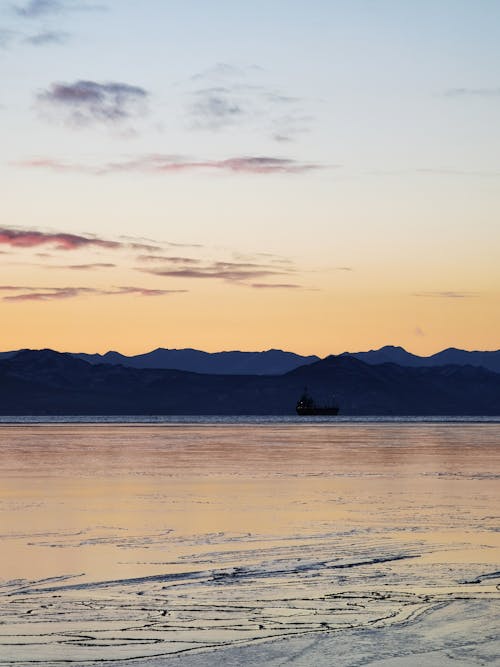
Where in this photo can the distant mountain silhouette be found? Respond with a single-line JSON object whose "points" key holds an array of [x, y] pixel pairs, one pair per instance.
{"points": [[7, 355], [47, 382], [269, 362], [278, 362], [451, 355]]}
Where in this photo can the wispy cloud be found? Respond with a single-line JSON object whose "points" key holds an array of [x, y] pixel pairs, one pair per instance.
{"points": [[234, 95], [275, 286], [47, 37], [449, 171], [263, 271], [39, 8], [144, 291], [84, 102], [167, 258], [32, 238], [10, 38], [257, 270], [223, 71], [447, 295], [153, 244], [24, 293], [27, 238], [145, 247], [435, 171], [62, 241], [6, 37], [81, 267], [233, 272], [35, 9], [220, 107], [163, 164], [473, 92], [269, 257], [38, 12], [214, 108], [230, 275]]}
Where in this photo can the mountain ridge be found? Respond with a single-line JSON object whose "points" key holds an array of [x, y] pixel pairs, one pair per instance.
{"points": [[53, 383], [277, 362], [489, 359], [234, 362]]}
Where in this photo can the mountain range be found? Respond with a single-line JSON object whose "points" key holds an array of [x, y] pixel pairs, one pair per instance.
{"points": [[268, 362], [47, 382], [278, 362], [452, 355]]}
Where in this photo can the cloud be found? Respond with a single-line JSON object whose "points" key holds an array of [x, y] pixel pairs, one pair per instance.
{"points": [[143, 246], [275, 286], [167, 258], [228, 271], [219, 107], [32, 238], [147, 244], [442, 171], [265, 165], [35, 9], [268, 256], [47, 37], [238, 96], [22, 238], [436, 171], [85, 103], [163, 164], [223, 71], [81, 267], [47, 295], [231, 275], [473, 92], [6, 37], [215, 108], [56, 293], [447, 295], [39, 8], [44, 38], [246, 164], [184, 245], [143, 291]]}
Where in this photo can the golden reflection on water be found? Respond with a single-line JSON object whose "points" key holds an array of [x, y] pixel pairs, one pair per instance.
{"points": [[97, 499], [125, 541]]}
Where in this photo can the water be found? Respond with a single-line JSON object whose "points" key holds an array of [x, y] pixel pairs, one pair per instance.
{"points": [[274, 541], [245, 419]]}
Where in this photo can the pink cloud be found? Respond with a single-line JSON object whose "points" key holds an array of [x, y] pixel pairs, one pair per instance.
{"points": [[55, 293], [158, 163], [275, 286], [21, 238]]}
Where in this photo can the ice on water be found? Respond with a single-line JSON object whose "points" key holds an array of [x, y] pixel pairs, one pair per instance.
{"points": [[250, 543]]}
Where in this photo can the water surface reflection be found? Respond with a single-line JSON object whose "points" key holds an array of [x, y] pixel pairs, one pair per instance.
{"points": [[121, 541]]}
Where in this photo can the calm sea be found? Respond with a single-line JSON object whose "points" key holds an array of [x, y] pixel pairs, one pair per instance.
{"points": [[225, 541], [245, 419]]}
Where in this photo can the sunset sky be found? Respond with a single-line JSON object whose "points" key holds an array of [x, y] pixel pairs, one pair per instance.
{"points": [[315, 176]]}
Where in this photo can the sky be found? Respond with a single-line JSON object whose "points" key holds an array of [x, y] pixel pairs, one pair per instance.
{"points": [[315, 176]]}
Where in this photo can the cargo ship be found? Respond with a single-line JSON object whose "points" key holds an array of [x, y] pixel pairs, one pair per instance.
{"points": [[306, 407]]}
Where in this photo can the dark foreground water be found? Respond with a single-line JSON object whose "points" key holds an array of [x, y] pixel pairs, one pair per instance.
{"points": [[277, 543], [246, 419]]}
